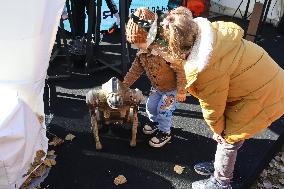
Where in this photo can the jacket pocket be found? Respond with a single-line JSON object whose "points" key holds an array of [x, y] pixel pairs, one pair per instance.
{"points": [[234, 106]]}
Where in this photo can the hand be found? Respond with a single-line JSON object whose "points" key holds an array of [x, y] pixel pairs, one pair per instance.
{"points": [[181, 97], [219, 138], [124, 85]]}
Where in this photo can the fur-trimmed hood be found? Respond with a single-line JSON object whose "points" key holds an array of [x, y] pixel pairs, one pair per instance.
{"points": [[214, 41]]}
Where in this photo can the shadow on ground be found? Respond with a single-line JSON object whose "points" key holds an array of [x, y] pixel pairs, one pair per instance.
{"points": [[80, 165]]}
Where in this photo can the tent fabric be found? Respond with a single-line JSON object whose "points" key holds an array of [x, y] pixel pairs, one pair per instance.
{"points": [[21, 136], [27, 37], [228, 7]]}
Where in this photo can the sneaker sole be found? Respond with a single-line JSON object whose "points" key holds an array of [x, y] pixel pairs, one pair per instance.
{"points": [[149, 132], [160, 144], [202, 173]]}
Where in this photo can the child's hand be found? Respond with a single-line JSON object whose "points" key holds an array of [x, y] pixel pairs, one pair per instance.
{"points": [[219, 138], [124, 84], [181, 97]]}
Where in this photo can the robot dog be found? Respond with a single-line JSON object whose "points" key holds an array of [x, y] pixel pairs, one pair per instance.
{"points": [[114, 104]]}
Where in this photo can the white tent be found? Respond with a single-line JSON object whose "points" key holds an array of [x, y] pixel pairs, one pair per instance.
{"points": [[229, 7], [27, 35]]}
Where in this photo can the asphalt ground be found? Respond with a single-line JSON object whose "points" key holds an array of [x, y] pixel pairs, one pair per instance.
{"points": [[80, 165]]}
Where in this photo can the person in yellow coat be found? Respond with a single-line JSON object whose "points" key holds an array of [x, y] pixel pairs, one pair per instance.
{"points": [[239, 86]]}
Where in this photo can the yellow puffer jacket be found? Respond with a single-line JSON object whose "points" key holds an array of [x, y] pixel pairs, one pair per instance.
{"points": [[239, 86]]}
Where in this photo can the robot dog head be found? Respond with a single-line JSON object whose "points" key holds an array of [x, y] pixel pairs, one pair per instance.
{"points": [[114, 93], [114, 100]]}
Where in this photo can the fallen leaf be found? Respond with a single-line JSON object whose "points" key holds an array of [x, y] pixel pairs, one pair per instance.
{"points": [[39, 171], [37, 161], [278, 186], [36, 170], [278, 158], [264, 173], [282, 169], [272, 172], [38, 158], [120, 179], [259, 185], [26, 183], [70, 137], [40, 154], [178, 169], [56, 141], [51, 153], [282, 158], [267, 184], [49, 162], [40, 118]]}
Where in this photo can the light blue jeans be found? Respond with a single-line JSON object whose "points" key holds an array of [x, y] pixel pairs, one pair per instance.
{"points": [[160, 107]]}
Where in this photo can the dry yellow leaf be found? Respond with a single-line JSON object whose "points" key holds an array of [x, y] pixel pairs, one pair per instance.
{"points": [[37, 161], [40, 154], [49, 162], [70, 137], [40, 118], [56, 141], [26, 183], [178, 169], [120, 179], [39, 172], [51, 153]]}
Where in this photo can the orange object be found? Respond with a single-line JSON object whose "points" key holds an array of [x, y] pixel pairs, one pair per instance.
{"points": [[197, 7]]}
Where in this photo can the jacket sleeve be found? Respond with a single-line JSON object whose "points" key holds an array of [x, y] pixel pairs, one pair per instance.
{"points": [[180, 77], [213, 97], [134, 72]]}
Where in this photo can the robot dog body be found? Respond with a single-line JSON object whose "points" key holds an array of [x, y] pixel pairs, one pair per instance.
{"points": [[114, 104]]}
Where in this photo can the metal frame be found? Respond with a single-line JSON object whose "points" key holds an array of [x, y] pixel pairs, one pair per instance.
{"points": [[94, 21], [266, 6], [93, 51], [63, 51]]}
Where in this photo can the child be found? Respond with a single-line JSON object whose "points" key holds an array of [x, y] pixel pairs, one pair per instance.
{"points": [[140, 31], [239, 86]]}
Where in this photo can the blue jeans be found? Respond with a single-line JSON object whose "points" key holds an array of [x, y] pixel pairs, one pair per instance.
{"points": [[160, 107]]}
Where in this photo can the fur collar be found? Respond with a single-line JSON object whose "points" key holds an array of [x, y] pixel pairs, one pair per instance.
{"points": [[202, 48], [152, 32]]}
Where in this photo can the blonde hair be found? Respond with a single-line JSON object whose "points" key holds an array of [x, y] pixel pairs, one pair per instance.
{"points": [[181, 32]]}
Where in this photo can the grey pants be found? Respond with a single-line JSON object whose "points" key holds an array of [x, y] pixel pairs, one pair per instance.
{"points": [[225, 159]]}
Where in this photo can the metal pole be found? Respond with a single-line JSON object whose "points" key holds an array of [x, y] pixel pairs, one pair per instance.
{"points": [[123, 9], [89, 46], [98, 22], [66, 50], [70, 18], [246, 11], [264, 13]]}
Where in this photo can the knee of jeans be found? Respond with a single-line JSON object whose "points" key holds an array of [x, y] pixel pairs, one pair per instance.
{"points": [[151, 108], [164, 114], [163, 117]]}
